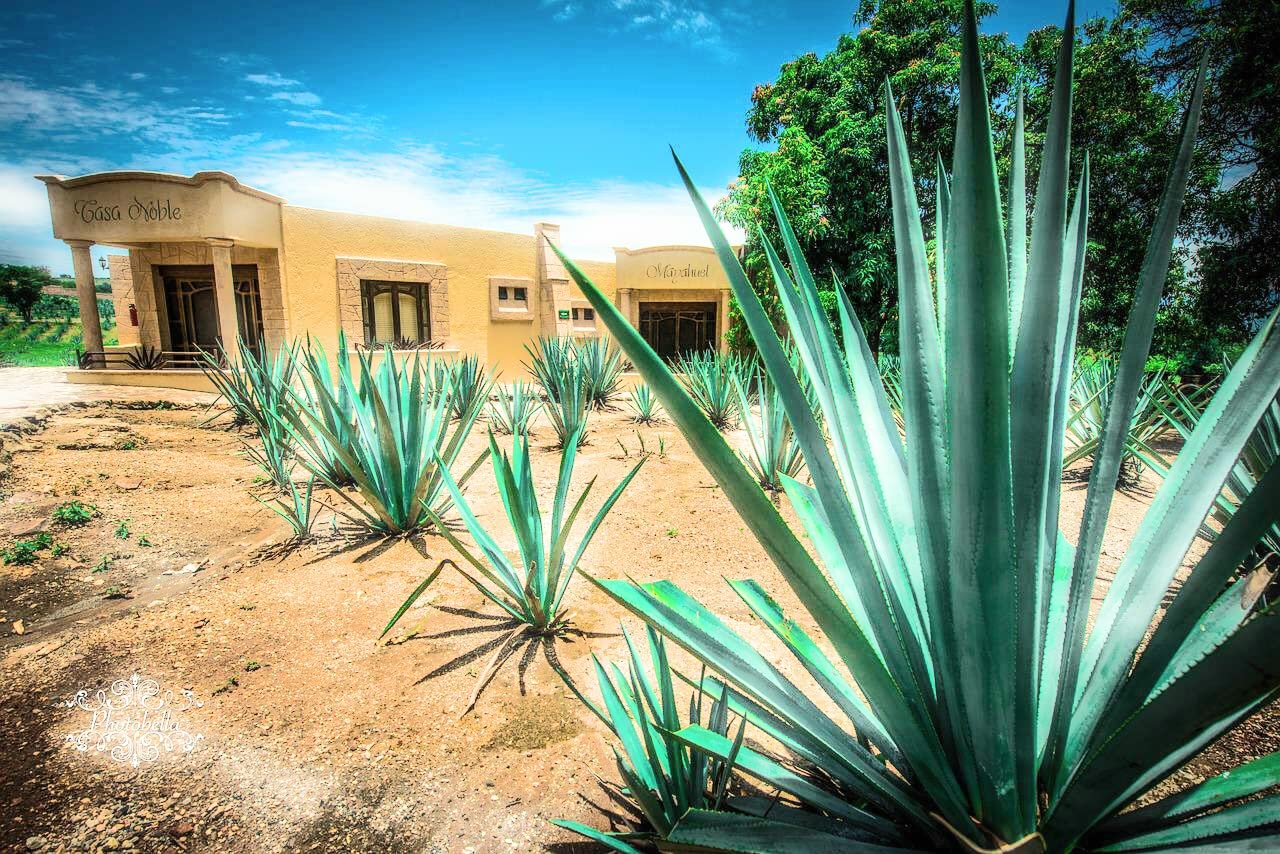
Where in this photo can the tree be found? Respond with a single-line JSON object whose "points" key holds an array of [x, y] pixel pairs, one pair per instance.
{"points": [[826, 117], [1237, 270], [21, 287], [830, 168], [1129, 125]]}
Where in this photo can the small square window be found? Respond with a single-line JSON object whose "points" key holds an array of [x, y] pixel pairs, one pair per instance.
{"points": [[588, 314], [508, 300]]}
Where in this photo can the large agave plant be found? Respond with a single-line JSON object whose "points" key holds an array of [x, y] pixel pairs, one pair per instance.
{"points": [[984, 716], [401, 439]]}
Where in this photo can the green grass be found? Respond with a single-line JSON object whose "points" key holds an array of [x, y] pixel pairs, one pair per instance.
{"points": [[43, 342]]}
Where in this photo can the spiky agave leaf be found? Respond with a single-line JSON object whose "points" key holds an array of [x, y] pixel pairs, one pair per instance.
{"points": [[947, 593], [645, 408]]}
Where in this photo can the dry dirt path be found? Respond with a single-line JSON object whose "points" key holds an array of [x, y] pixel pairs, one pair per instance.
{"points": [[28, 392]]}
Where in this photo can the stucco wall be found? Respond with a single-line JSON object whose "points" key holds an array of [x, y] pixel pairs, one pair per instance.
{"points": [[314, 240]]}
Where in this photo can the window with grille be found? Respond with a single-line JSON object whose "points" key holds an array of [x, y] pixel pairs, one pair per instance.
{"points": [[395, 312]]}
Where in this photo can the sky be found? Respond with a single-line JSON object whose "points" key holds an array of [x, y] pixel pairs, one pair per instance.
{"points": [[493, 114]]}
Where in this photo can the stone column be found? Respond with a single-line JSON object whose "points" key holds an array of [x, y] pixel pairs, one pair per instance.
{"points": [[225, 291], [624, 305], [722, 322], [90, 323]]}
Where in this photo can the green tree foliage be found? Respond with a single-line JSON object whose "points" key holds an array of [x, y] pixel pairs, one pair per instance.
{"points": [[825, 118], [21, 287], [1129, 126], [824, 115], [1237, 274]]}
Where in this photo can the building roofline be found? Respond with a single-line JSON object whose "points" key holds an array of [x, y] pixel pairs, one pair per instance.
{"points": [[195, 180]]}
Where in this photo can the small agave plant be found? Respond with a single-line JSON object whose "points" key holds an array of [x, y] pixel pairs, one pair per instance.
{"points": [[645, 408], [773, 454], [666, 778], [965, 698], [517, 405], [531, 589]]}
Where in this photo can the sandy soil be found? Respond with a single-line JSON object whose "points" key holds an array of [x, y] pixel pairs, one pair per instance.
{"points": [[314, 736]]}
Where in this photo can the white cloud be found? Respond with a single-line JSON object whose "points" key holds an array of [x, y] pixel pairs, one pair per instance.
{"points": [[23, 200], [690, 22], [300, 99], [482, 191], [272, 79], [138, 75], [90, 112]]}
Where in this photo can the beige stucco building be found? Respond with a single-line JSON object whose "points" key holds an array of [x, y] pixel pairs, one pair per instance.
{"points": [[211, 261]]}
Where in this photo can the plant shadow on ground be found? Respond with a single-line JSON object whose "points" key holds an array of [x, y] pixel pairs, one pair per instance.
{"points": [[512, 638]]}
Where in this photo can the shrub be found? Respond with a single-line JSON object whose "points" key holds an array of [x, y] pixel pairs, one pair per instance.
{"points": [[74, 514], [984, 715], [24, 552]]}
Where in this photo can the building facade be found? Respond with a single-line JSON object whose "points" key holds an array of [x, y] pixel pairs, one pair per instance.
{"points": [[212, 262]]}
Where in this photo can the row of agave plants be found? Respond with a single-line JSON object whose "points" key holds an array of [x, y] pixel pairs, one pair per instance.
{"points": [[960, 694]]}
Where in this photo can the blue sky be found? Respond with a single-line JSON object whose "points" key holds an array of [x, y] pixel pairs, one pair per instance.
{"points": [[492, 114]]}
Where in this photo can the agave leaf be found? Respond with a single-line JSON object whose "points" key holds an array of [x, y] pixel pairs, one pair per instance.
{"points": [[1102, 480], [1219, 826], [761, 766], [1245, 781], [1168, 528], [609, 840], [818, 666], [984, 603], [725, 831], [1218, 689]]}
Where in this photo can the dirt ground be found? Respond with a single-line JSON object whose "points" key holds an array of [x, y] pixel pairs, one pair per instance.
{"points": [[314, 737]]}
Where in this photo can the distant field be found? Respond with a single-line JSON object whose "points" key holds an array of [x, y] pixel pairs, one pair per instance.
{"points": [[43, 342]]}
